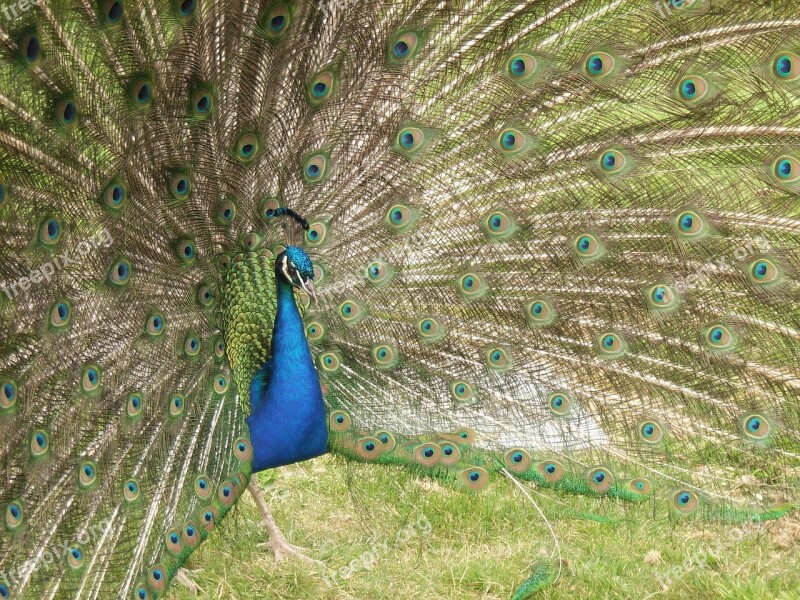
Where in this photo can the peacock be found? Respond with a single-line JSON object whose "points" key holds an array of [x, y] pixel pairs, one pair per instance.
{"points": [[550, 245]]}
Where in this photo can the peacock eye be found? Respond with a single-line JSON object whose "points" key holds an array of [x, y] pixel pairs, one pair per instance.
{"points": [[315, 168], [521, 67], [321, 87], [599, 64], [247, 147], [410, 140], [141, 93], [787, 169], [30, 50], [276, 21], [612, 161], [112, 11], [694, 89], [786, 66], [403, 47]]}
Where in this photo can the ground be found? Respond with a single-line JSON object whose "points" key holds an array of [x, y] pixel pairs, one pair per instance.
{"points": [[385, 533]]}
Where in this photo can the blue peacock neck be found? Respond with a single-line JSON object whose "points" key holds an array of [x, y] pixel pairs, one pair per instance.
{"points": [[287, 422]]}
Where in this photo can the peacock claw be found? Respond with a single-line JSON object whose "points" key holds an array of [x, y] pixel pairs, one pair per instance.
{"points": [[280, 547], [183, 577]]}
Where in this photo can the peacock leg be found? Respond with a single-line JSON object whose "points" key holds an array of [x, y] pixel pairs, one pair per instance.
{"points": [[185, 580], [280, 547]]}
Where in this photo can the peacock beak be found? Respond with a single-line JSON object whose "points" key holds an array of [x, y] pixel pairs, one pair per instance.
{"points": [[308, 287]]}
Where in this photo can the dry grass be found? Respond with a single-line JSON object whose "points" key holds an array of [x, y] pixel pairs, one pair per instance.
{"points": [[412, 538]]}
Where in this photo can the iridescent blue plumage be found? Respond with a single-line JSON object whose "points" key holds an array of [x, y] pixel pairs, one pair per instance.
{"points": [[287, 422]]}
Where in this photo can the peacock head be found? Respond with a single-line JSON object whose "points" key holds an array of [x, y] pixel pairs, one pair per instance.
{"points": [[297, 270]]}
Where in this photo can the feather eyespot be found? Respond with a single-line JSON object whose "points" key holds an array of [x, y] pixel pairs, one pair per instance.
{"points": [[764, 272], [133, 406], [694, 90], [50, 231], [91, 376], [112, 11], [690, 224], [8, 394], [600, 480], [718, 338], [187, 251], [521, 67], [75, 557], [120, 272], [315, 168], [786, 170], [220, 384], [14, 515], [599, 64], [450, 454], [276, 20], [378, 272], [180, 186], [227, 493], [202, 103], [157, 578], [60, 314], [472, 286], [243, 449], [156, 325], [66, 113], [400, 217], [141, 92], [208, 519], [786, 66], [351, 311], [551, 471], [612, 162], [640, 485], [385, 356], [315, 331], [4, 591], [29, 49], [431, 329], [202, 487], [498, 225], [497, 360], [205, 296], [386, 439], [329, 363], [115, 195], [684, 502], [517, 460], [317, 233], [559, 403], [410, 140], [461, 392], [321, 87], [540, 312], [340, 421], [368, 448], [651, 432], [177, 403], [40, 443], [661, 297], [756, 427], [428, 454], [172, 542], [611, 344], [191, 535], [87, 474], [404, 46], [475, 478], [185, 8], [588, 247], [219, 348], [511, 141], [131, 490], [247, 147]]}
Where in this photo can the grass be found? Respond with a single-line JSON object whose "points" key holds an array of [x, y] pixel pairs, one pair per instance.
{"points": [[412, 538]]}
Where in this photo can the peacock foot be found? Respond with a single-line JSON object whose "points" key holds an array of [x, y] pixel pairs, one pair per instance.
{"points": [[183, 577], [280, 547]]}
